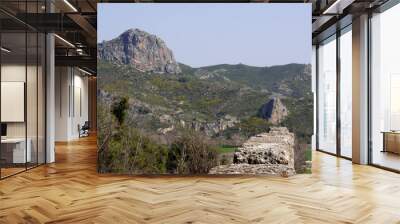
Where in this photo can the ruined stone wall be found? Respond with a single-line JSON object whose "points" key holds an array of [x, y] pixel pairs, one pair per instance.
{"points": [[265, 153]]}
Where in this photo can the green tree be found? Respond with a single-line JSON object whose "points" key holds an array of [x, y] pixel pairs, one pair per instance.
{"points": [[119, 109]]}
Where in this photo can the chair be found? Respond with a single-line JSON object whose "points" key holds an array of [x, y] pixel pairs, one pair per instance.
{"points": [[84, 130]]}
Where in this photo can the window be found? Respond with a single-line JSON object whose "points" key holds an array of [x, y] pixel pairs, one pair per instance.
{"points": [[327, 95], [385, 89], [346, 92], [22, 88]]}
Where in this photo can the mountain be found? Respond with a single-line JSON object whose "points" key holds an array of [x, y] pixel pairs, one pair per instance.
{"points": [[290, 79], [226, 102], [144, 51]]}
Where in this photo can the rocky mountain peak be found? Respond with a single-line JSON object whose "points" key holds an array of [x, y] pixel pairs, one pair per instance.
{"points": [[144, 51]]}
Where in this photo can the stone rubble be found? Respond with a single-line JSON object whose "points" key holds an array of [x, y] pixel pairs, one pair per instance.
{"points": [[266, 153]]}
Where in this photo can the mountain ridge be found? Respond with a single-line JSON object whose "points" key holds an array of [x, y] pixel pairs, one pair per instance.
{"points": [[136, 34]]}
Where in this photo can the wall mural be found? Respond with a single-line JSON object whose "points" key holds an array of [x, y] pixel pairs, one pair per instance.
{"points": [[195, 89]]}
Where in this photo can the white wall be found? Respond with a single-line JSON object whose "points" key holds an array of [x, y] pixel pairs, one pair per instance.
{"points": [[33, 126], [71, 94], [17, 73], [62, 82], [9, 73], [81, 104]]}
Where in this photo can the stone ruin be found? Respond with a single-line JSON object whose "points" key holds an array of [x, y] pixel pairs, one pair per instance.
{"points": [[269, 153]]}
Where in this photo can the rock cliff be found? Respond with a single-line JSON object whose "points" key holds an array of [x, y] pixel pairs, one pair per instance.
{"points": [[274, 111], [144, 51]]}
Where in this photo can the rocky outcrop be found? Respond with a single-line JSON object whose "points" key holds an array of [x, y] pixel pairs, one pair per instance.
{"points": [[144, 51], [212, 128], [266, 153], [164, 131], [274, 111]]}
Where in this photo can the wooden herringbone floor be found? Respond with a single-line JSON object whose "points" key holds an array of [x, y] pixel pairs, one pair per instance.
{"points": [[70, 191]]}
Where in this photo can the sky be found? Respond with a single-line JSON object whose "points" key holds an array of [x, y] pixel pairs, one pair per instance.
{"points": [[255, 34]]}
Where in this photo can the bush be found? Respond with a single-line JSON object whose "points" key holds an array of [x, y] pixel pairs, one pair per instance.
{"points": [[225, 160], [129, 151], [191, 154], [300, 118], [300, 156], [253, 126]]}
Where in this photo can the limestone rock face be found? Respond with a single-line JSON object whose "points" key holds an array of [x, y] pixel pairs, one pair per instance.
{"points": [[274, 111], [274, 147], [140, 49], [266, 153], [212, 128]]}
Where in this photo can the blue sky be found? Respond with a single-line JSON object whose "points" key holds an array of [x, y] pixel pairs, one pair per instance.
{"points": [[207, 34]]}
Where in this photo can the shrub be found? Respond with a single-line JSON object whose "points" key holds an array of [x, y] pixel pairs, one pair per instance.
{"points": [[300, 156], [191, 154], [253, 125], [225, 160], [129, 151]]}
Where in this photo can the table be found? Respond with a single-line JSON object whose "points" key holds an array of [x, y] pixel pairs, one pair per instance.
{"points": [[391, 141], [13, 150]]}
